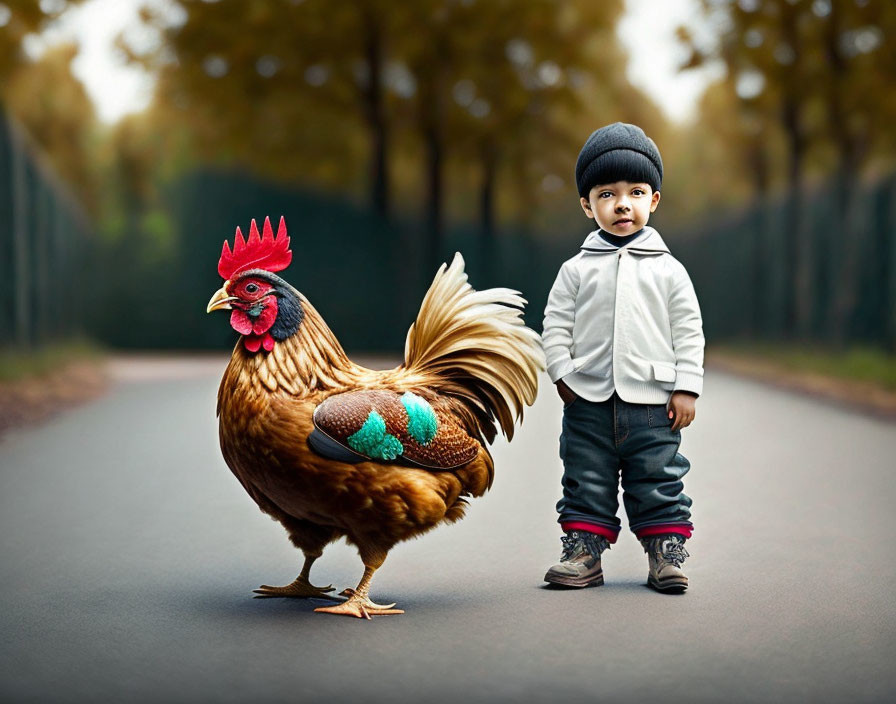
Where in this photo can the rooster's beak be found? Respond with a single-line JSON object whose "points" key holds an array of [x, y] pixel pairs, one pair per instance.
{"points": [[220, 301]]}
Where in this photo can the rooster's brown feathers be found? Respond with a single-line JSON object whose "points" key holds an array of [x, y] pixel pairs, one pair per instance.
{"points": [[468, 354]]}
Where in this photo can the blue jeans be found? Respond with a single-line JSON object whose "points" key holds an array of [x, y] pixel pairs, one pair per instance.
{"points": [[600, 441]]}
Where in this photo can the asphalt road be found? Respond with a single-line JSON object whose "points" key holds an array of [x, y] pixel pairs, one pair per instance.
{"points": [[129, 553]]}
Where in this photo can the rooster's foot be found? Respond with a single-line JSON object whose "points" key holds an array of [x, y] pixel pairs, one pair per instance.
{"points": [[301, 588], [359, 607]]}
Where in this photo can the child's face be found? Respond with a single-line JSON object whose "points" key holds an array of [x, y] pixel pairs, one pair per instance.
{"points": [[621, 208]]}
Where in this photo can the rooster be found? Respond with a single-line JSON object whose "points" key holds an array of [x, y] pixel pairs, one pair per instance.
{"points": [[329, 448]]}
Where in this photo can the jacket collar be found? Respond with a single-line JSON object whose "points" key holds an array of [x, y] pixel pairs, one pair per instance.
{"points": [[648, 242]]}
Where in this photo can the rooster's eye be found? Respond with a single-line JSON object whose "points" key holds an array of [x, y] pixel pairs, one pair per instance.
{"points": [[251, 288]]}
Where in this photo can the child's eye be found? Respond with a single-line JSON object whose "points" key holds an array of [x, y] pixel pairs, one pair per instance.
{"points": [[638, 192], [605, 194]]}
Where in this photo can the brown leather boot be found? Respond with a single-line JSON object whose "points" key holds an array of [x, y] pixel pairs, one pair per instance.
{"points": [[665, 553], [579, 564]]}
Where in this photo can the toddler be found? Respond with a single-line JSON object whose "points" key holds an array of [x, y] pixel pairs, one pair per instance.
{"points": [[624, 342]]}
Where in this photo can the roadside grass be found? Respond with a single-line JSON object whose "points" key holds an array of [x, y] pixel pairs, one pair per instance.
{"points": [[17, 364], [857, 363]]}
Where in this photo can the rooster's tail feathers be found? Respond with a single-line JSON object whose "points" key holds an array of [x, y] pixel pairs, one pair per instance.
{"points": [[475, 346]]}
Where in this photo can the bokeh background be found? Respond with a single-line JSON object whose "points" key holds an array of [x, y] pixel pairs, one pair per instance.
{"points": [[392, 134]]}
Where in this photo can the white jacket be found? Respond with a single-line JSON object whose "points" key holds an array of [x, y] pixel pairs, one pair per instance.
{"points": [[625, 319]]}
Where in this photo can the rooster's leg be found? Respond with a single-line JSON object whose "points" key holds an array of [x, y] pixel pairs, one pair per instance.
{"points": [[359, 603], [301, 587]]}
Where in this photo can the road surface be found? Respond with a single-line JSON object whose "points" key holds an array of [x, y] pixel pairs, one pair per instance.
{"points": [[129, 554]]}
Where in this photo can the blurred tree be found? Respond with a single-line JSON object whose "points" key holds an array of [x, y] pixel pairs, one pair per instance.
{"points": [[431, 51], [499, 85], [59, 117], [861, 110], [43, 94], [764, 50], [817, 71], [275, 86], [135, 168], [18, 19], [524, 87]]}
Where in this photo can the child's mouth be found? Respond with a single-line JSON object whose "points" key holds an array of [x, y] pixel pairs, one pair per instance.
{"points": [[623, 222]]}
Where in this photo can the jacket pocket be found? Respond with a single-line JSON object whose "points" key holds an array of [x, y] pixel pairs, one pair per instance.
{"points": [[586, 363], [665, 374]]}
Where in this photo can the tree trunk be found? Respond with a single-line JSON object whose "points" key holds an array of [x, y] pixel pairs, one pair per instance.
{"points": [[844, 280], [434, 219], [487, 212], [373, 99], [430, 116], [22, 284], [887, 255], [758, 159], [795, 262], [796, 270]]}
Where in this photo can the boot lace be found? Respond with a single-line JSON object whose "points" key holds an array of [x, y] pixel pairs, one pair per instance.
{"points": [[673, 551], [577, 541]]}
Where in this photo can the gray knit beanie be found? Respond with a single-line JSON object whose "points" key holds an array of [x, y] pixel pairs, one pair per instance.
{"points": [[618, 152]]}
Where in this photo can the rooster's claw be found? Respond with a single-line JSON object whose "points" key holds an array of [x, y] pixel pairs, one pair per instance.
{"points": [[301, 588], [359, 607]]}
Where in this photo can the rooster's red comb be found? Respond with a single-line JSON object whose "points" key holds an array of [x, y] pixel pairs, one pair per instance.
{"points": [[260, 252]]}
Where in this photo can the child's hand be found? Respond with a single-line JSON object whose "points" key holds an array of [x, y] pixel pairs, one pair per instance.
{"points": [[566, 393], [681, 409]]}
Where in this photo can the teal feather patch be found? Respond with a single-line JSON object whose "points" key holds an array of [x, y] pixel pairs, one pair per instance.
{"points": [[373, 440], [422, 421]]}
